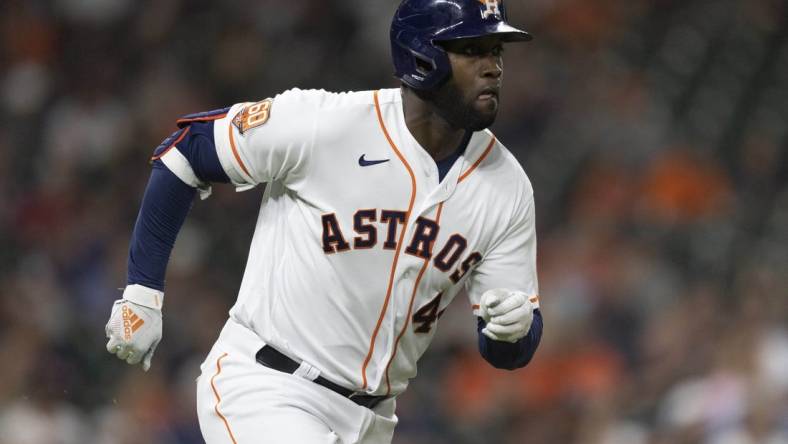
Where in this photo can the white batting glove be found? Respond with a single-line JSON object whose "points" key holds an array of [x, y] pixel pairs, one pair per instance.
{"points": [[508, 314], [134, 326]]}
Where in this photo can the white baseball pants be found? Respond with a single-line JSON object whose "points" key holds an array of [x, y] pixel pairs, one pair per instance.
{"points": [[240, 401]]}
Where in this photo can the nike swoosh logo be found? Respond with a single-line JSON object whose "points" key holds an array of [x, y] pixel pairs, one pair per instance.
{"points": [[365, 163]]}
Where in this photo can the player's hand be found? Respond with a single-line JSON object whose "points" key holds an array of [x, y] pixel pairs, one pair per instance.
{"points": [[508, 314], [134, 329]]}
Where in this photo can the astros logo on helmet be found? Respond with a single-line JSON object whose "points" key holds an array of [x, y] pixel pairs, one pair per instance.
{"points": [[491, 8]]}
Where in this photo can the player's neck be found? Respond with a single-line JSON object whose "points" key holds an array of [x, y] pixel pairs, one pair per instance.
{"points": [[439, 138]]}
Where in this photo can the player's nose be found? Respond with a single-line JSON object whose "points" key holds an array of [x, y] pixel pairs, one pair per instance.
{"points": [[492, 67]]}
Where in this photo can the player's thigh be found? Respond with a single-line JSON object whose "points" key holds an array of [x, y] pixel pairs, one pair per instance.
{"points": [[275, 426], [237, 406]]}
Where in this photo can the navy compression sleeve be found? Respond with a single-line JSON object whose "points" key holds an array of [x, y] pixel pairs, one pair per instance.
{"points": [[509, 355], [166, 204]]}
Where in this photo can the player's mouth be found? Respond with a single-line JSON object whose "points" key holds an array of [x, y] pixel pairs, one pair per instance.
{"points": [[489, 93]]}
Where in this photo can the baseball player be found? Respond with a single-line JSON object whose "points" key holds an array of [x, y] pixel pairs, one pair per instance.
{"points": [[380, 207]]}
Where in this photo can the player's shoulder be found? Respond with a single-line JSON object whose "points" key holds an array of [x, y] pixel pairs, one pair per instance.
{"points": [[325, 100], [497, 165]]}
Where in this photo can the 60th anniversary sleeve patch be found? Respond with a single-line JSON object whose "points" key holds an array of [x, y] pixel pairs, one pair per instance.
{"points": [[252, 116]]}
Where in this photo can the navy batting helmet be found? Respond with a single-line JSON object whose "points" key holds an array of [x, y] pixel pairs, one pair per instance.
{"points": [[419, 24]]}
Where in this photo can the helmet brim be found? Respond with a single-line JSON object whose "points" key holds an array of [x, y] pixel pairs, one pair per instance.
{"points": [[503, 30]]}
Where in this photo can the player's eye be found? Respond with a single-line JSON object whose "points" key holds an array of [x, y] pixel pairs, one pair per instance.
{"points": [[470, 50], [476, 50]]}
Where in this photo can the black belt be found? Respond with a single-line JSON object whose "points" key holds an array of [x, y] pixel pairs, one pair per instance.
{"points": [[272, 358]]}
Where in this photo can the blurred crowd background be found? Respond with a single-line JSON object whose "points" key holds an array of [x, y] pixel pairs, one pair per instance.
{"points": [[655, 133]]}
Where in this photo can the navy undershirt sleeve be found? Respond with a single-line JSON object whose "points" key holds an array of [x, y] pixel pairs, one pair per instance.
{"points": [[507, 355], [200, 151], [166, 204]]}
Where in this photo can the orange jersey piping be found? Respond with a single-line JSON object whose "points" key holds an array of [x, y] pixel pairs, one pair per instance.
{"points": [[399, 243], [410, 308], [478, 161], [219, 399], [235, 151]]}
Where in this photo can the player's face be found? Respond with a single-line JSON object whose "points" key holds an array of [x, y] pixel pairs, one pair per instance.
{"points": [[469, 99]]}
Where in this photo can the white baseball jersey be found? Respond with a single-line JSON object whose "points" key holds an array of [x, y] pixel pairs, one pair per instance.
{"points": [[358, 247]]}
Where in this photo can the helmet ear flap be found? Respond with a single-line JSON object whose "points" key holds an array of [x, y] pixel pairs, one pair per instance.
{"points": [[419, 63]]}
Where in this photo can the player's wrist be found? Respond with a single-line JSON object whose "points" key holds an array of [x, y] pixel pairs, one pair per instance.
{"points": [[145, 296]]}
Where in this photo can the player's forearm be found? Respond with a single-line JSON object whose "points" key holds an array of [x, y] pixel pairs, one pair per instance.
{"points": [[507, 355], [168, 198], [164, 208]]}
